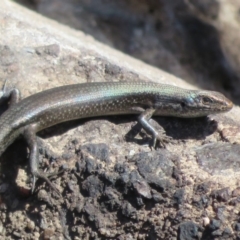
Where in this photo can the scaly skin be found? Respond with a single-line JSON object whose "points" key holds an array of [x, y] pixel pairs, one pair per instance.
{"points": [[65, 103]]}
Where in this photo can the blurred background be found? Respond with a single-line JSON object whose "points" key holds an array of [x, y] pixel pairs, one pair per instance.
{"points": [[197, 40]]}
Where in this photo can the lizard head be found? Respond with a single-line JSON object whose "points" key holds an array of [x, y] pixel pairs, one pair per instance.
{"points": [[193, 103], [202, 103]]}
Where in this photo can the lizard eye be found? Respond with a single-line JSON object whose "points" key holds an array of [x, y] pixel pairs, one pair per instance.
{"points": [[206, 100]]}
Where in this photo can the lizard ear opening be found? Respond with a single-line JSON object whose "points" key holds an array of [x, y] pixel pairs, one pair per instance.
{"points": [[183, 104]]}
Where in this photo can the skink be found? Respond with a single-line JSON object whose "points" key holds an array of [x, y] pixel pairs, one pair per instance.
{"points": [[47, 108]]}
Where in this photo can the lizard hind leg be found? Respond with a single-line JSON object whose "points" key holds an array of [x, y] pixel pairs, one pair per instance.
{"points": [[13, 95], [31, 138]]}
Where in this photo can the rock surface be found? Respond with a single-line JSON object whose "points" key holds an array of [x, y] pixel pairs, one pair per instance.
{"points": [[113, 186]]}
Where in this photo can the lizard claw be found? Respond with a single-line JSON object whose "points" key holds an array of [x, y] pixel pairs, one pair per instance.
{"points": [[162, 139], [45, 178]]}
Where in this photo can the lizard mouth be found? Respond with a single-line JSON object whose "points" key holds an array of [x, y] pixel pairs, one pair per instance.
{"points": [[228, 105]]}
